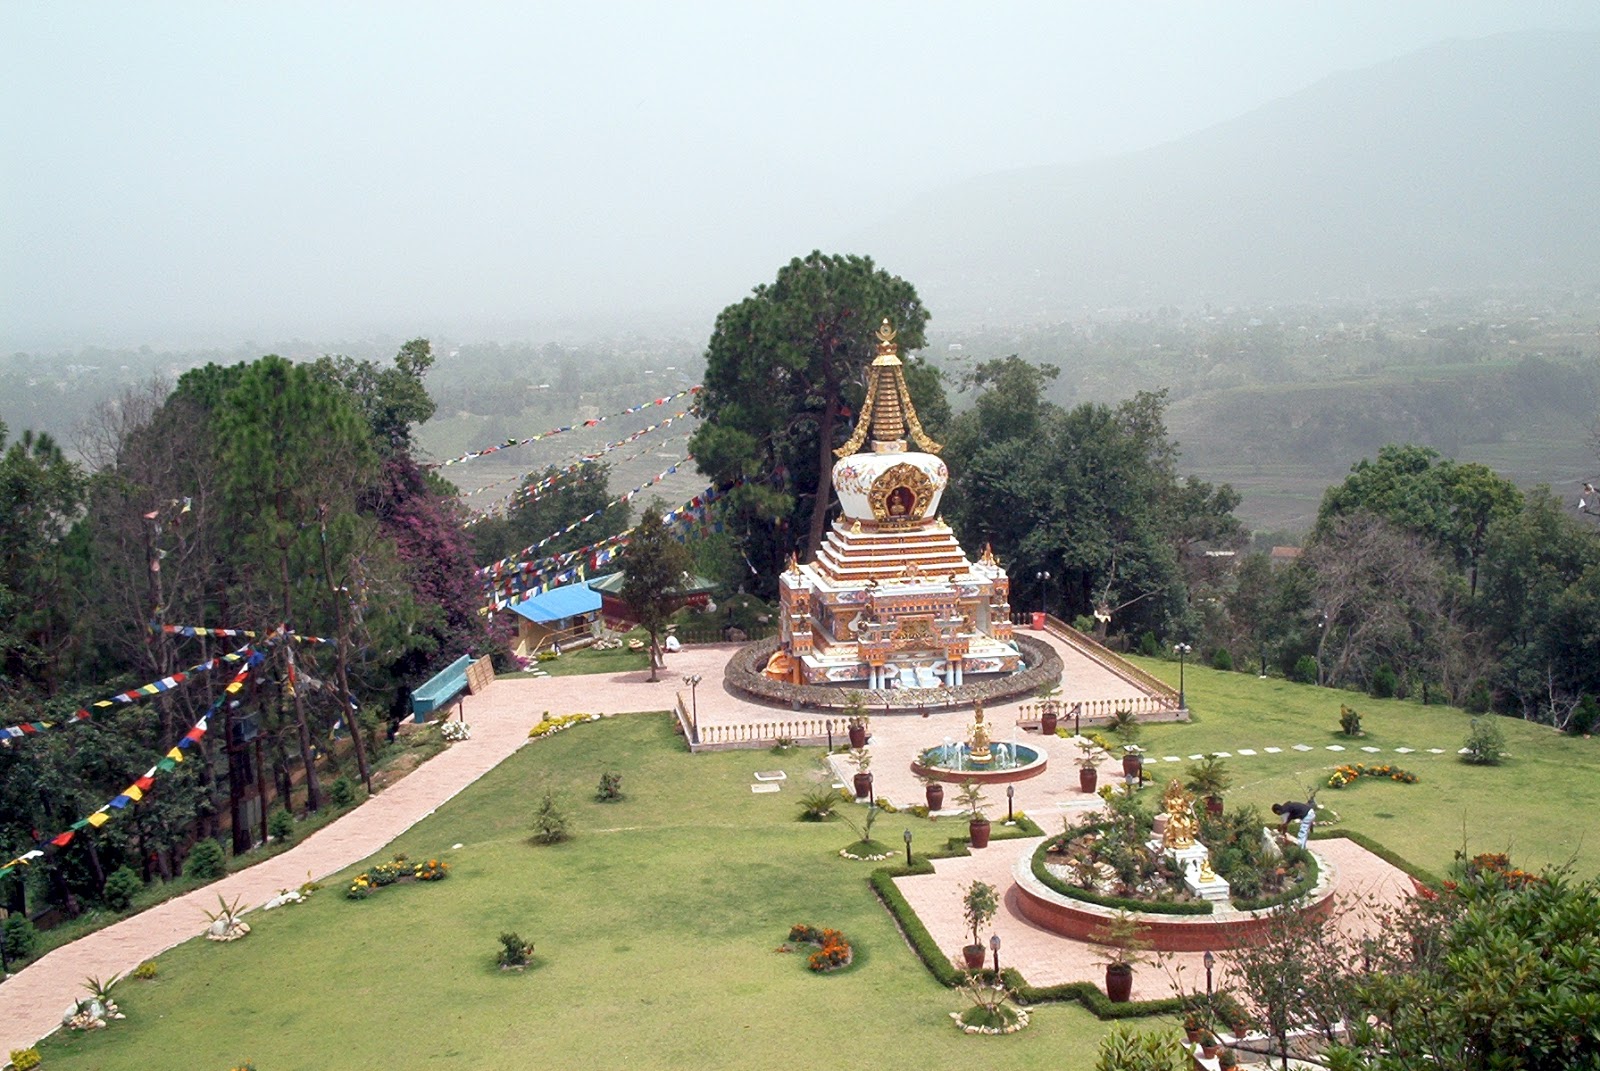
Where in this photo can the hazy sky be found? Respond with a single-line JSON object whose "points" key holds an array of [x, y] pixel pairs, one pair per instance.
{"points": [[183, 173]]}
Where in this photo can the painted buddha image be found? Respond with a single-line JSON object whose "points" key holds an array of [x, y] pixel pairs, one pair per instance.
{"points": [[900, 502]]}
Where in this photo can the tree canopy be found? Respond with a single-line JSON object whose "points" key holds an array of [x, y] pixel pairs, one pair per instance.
{"points": [[1090, 495], [784, 368]]}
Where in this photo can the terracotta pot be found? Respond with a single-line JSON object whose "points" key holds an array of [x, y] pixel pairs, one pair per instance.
{"points": [[1088, 778], [1211, 1051], [974, 956], [1119, 982], [858, 736], [1192, 1036], [1047, 723], [1131, 765], [979, 830], [863, 785], [1214, 805], [935, 794]]}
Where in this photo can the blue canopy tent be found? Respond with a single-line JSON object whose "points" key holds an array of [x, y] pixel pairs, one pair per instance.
{"points": [[560, 615]]}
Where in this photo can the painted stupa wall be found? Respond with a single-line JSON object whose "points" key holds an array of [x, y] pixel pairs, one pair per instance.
{"points": [[892, 600]]}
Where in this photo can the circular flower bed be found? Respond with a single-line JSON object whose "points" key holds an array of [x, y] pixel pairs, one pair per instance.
{"points": [[1110, 862]]}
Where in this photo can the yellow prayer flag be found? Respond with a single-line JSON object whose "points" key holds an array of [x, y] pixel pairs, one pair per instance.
{"points": [[133, 792], [98, 819]]}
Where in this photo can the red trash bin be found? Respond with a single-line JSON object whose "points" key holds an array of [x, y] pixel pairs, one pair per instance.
{"points": [[1038, 621]]}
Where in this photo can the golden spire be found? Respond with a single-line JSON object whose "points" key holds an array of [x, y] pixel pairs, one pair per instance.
{"points": [[887, 411]]}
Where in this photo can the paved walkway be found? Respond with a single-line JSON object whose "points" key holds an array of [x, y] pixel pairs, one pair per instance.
{"points": [[31, 1002]]}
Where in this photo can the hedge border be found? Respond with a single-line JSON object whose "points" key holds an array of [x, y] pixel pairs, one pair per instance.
{"points": [[946, 974]]}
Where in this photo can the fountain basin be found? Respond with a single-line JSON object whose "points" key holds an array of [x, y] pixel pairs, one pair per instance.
{"points": [[1008, 762]]}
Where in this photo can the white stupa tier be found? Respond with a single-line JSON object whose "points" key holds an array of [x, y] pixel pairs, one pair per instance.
{"points": [[892, 601]]}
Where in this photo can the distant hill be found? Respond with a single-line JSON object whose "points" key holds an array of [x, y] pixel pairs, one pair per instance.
{"points": [[1468, 164]]}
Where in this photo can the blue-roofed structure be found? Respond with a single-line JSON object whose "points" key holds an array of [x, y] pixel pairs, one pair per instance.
{"points": [[564, 615]]}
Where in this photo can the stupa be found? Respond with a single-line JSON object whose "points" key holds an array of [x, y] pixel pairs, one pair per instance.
{"points": [[892, 601]]}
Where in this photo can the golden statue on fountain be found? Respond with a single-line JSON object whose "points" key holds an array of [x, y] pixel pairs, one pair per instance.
{"points": [[978, 742]]}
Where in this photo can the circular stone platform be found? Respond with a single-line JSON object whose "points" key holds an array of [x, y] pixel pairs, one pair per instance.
{"points": [[744, 677], [1226, 927]]}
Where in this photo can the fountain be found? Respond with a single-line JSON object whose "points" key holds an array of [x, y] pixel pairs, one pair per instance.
{"points": [[980, 758]]}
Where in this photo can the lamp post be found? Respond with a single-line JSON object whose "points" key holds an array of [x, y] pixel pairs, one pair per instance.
{"points": [[1043, 579], [907, 836], [1182, 651], [693, 681], [1210, 961], [994, 943], [1011, 794]]}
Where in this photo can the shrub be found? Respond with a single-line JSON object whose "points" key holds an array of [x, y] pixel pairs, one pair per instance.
{"points": [[145, 971], [19, 936], [122, 886], [342, 791], [1478, 698], [818, 804], [1125, 1050], [1349, 720], [1485, 743], [1584, 717], [1305, 670], [610, 788], [1147, 644], [514, 951], [281, 826], [1384, 683], [550, 822], [25, 1059], [206, 861], [1222, 660]]}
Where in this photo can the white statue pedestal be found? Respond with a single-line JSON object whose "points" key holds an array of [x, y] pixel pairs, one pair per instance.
{"points": [[1215, 890]]}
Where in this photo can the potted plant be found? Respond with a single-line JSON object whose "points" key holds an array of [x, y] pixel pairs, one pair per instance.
{"points": [[1227, 1060], [1090, 756], [1124, 948], [861, 759], [1209, 778], [979, 904], [1192, 1029], [971, 797], [1209, 1046], [855, 709], [933, 789], [1133, 761], [1049, 709]]}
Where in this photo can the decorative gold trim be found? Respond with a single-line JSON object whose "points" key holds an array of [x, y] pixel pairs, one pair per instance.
{"points": [[906, 476], [918, 436], [859, 436]]}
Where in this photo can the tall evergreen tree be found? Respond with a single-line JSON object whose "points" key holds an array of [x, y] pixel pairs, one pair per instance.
{"points": [[783, 368]]}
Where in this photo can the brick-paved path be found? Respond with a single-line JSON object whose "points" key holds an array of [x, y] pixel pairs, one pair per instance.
{"points": [[31, 1002]]}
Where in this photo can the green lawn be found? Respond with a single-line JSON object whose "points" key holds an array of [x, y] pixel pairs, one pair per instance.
{"points": [[655, 928], [655, 931], [1532, 806]]}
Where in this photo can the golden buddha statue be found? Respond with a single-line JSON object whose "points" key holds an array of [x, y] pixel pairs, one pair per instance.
{"points": [[978, 742]]}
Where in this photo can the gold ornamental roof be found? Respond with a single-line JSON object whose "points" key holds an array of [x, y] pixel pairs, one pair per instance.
{"points": [[887, 412]]}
